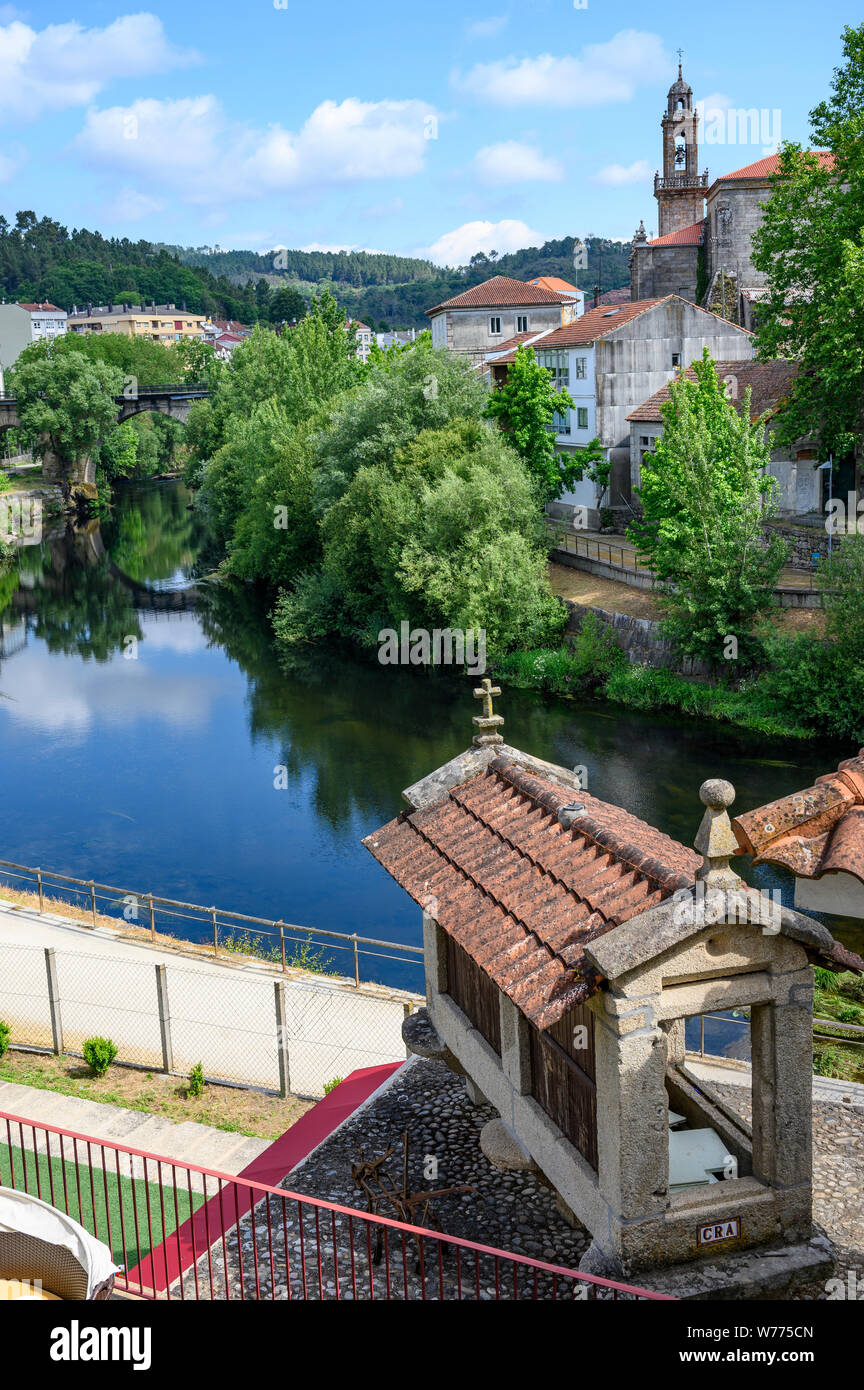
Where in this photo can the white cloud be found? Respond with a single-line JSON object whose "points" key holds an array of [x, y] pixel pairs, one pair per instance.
{"points": [[130, 206], [513, 162], [10, 163], [716, 101], [335, 248], [604, 73], [457, 247], [189, 145], [66, 65], [621, 175], [486, 28]]}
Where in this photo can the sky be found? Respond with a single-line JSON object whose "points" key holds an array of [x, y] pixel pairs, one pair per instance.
{"points": [[435, 129]]}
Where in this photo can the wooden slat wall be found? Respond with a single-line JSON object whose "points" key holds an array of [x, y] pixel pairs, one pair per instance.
{"points": [[474, 992], [565, 1088]]}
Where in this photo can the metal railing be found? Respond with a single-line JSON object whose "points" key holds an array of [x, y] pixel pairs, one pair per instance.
{"points": [[849, 1034], [184, 1232], [284, 944], [619, 556]]}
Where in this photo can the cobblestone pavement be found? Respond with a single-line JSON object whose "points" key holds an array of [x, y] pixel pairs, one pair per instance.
{"points": [[511, 1211], [838, 1174]]}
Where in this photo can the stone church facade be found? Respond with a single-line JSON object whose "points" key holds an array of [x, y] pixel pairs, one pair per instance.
{"points": [[705, 229]]}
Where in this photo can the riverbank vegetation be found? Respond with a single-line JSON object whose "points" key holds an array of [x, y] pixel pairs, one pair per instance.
{"points": [[365, 496]]}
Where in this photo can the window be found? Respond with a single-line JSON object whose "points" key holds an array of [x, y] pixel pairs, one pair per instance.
{"points": [[521, 323], [644, 440], [582, 417], [580, 368], [495, 325], [676, 359]]}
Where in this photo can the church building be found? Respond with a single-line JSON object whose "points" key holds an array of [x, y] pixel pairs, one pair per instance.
{"points": [[702, 251]]}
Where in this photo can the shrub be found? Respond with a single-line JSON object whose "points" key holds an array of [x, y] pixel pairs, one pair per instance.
{"points": [[850, 1013], [196, 1082], [330, 1085], [828, 1062], [5, 1035], [99, 1053]]}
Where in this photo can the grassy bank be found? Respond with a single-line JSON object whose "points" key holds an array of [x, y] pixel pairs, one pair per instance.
{"points": [[805, 689]]}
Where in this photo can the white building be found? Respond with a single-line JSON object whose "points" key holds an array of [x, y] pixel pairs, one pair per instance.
{"points": [[364, 337], [604, 360], [486, 317], [22, 324]]}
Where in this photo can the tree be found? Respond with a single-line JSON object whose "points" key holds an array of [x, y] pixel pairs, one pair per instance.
{"points": [[811, 249], [842, 576], [705, 495], [526, 406], [287, 305], [65, 400]]}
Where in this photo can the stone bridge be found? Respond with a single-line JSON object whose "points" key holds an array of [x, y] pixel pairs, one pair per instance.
{"points": [[175, 401]]}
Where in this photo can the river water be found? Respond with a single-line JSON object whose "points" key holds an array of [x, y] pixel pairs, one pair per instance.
{"points": [[141, 747]]}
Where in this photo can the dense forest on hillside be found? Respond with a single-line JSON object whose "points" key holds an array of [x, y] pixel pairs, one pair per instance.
{"points": [[41, 259], [394, 291]]}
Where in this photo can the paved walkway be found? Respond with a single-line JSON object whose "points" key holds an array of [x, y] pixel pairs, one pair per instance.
{"points": [[222, 1011], [825, 1088], [184, 1140], [618, 551]]}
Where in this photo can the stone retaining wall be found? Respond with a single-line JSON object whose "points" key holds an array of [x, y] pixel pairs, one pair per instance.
{"points": [[639, 638]]}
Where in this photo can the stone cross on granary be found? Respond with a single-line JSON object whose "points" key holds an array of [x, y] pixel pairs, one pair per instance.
{"points": [[487, 722]]}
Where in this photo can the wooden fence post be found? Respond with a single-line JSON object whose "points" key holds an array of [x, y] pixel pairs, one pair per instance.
{"points": [[164, 1018], [54, 1000], [282, 1039]]}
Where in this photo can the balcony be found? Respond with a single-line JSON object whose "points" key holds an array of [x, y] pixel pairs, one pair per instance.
{"points": [[681, 181]]}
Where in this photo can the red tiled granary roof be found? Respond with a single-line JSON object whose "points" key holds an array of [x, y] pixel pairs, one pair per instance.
{"points": [[814, 832], [521, 894], [500, 291]]}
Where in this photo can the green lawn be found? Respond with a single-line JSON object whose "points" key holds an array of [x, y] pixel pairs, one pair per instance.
{"points": [[35, 1174]]}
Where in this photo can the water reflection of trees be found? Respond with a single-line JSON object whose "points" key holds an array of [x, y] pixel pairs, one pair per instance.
{"points": [[150, 533], [69, 598]]}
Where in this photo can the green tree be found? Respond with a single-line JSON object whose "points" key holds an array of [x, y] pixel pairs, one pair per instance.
{"points": [[65, 400], [705, 495], [810, 247], [526, 406], [287, 305], [842, 576]]}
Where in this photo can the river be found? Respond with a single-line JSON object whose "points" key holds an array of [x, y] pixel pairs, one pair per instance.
{"points": [[141, 747]]}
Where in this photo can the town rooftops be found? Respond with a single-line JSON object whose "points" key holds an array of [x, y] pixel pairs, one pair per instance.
{"points": [[594, 324], [557, 285], [521, 892], [44, 308], [763, 168], [499, 293], [619, 296], [814, 832], [685, 236], [770, 383]]}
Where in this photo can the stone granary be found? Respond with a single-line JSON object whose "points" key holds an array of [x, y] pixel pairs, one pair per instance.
{"points": [[566, 943]]}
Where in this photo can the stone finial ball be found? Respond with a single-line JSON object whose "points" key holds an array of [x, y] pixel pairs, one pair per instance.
{"points": [[716, 793]]}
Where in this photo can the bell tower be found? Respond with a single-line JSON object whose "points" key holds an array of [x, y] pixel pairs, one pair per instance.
{"points": [[680, 190]]}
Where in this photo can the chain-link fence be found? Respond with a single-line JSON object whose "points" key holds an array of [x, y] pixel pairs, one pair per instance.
{"points": [[245, 1024]]}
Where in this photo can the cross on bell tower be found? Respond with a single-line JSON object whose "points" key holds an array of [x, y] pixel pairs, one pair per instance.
{"points": [[680, 191]]}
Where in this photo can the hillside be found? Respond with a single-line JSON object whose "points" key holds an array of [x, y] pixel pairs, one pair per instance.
{"points": [[394, 291], [40, 259]]}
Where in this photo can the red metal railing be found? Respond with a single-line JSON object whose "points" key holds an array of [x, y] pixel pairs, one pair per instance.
{"points": [[185, 1232]]}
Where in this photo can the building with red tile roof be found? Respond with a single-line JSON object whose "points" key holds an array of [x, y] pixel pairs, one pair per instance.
{"points": [[798, 491], [25, 323], [818, 834], [566, 941], [484, 317]]}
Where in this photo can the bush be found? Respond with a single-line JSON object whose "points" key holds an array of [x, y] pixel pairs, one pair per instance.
{"points": [[99, 1053], [331, 1085], [5, 1035], [828, 1062], [582, 667], [196, 1084]]}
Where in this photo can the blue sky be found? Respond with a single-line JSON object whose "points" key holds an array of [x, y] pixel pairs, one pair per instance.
{"points": [[425, 128]]}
